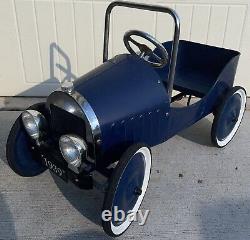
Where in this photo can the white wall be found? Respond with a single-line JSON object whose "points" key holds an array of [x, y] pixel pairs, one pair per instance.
{"points": [[27, 29]]}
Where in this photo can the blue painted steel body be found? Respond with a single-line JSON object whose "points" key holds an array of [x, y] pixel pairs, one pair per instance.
{"points": [[24, 161], [131, 102], [20, 157], [200, 65]]}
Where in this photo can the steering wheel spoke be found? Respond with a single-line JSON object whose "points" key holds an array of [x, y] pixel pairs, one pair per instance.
{"points": [[157, 57], [130, 39], [145, 52]]}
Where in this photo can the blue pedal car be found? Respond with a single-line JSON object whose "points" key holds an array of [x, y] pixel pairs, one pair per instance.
{"points": [[107, 120]]}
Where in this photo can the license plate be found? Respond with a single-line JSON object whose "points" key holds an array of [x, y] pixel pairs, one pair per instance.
{"points": [[59, 171]]}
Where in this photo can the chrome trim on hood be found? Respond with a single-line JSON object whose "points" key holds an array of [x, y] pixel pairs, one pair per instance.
{"points": [[81, 109], [89, 113]]}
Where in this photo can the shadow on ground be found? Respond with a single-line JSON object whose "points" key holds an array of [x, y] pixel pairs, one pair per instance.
{"points": [[199, 133], [87, 202], [6, 121], [7, 227], [227, 220], [3, 153]]}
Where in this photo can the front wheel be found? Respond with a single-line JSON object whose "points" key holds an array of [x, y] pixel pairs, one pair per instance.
{"points": [[127, 187], [20, 157], [228, 117]]}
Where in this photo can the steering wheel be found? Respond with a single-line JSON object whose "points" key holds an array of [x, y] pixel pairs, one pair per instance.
{"points": [[156, 60]]}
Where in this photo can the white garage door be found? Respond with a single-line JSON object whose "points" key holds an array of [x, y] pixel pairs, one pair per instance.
{"points": [[39, 36]]}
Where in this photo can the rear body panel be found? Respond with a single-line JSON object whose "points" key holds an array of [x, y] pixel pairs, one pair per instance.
{"points": [[204, 71], [200, 66]]}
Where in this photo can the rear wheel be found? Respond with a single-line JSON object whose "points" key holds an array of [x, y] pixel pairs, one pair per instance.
{"points": [[228, 117], [20, 157], [128, 185]]}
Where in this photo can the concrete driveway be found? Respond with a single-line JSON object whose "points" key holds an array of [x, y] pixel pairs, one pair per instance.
{"points": [[196, 192]]}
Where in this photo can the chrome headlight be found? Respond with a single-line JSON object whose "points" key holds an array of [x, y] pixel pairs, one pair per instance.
{"points": [[73, 150], [34, 123]]}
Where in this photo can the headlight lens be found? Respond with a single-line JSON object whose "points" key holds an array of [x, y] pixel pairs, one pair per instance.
{"points": [[34, 123], [73, 149]]}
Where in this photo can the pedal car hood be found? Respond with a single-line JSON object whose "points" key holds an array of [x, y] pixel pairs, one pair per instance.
{"points": [[123, 87]]}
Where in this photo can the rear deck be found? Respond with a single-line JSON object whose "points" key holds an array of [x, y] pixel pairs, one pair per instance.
{"points": [[198, 67]]}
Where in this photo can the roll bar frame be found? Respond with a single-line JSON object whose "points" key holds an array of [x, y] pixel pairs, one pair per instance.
{"points": [[154, 8]]}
